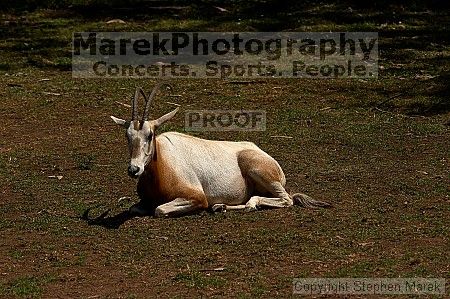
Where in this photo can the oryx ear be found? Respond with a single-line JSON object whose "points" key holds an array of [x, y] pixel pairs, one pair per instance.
{"points": [[165, 117], [120, 121]]}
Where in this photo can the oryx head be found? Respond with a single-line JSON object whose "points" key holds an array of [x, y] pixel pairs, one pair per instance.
{"points": [[141, 133]]}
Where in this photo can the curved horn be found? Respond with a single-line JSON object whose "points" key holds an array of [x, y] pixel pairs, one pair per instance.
{"points": [[150, 98], [134, 102]]}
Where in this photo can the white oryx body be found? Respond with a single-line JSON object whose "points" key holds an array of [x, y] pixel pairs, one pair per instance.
{"points": [[180, 174], [211, 167]]}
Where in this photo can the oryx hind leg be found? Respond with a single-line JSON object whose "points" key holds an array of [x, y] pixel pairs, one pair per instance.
{"points": [[281, 198], [256, 202], [221, 207], [266, 176]]}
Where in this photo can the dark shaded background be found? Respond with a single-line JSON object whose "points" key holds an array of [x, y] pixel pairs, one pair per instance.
{"points": [[205, 8], [402, 25]]}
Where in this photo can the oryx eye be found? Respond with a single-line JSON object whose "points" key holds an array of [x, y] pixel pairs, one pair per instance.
{"points": [[150, 136]]}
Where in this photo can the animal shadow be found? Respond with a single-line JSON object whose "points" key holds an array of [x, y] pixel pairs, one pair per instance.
{"points": [[111, 222]]}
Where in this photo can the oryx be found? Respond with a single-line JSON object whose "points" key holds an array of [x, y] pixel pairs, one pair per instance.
{"points": [[180, 174]]}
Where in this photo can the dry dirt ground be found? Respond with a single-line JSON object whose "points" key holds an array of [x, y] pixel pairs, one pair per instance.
{"points": [[385, 168]]}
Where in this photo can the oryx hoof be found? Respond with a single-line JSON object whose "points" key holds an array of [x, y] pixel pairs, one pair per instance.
{"points": [[160, 212], [219, 208], [249, 208]]}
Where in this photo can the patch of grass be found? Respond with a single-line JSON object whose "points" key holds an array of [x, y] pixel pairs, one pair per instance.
{"points": [[5, 223], [3, 289], [179, 25], [16, 254], [258, 286], [81, 259], [199, 280], [85, 161], [368, 268], [24, 287], [75, 205]]}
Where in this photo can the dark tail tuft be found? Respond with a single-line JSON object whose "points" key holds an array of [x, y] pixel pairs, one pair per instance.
{"points": [[305, 201]]}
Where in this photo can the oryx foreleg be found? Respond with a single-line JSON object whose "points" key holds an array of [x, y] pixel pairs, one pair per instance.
{"points": [[178, 207]]}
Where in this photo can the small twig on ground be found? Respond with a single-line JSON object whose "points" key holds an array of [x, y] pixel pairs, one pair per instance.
{"points": [[123, 104], [175, 104], [212, 270], [178, 105], [399, 114], [52, 93], [124, 198], [326, 108], [389, 99], [310, 262], [282, 136], [116, 21], [221, 9]]}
